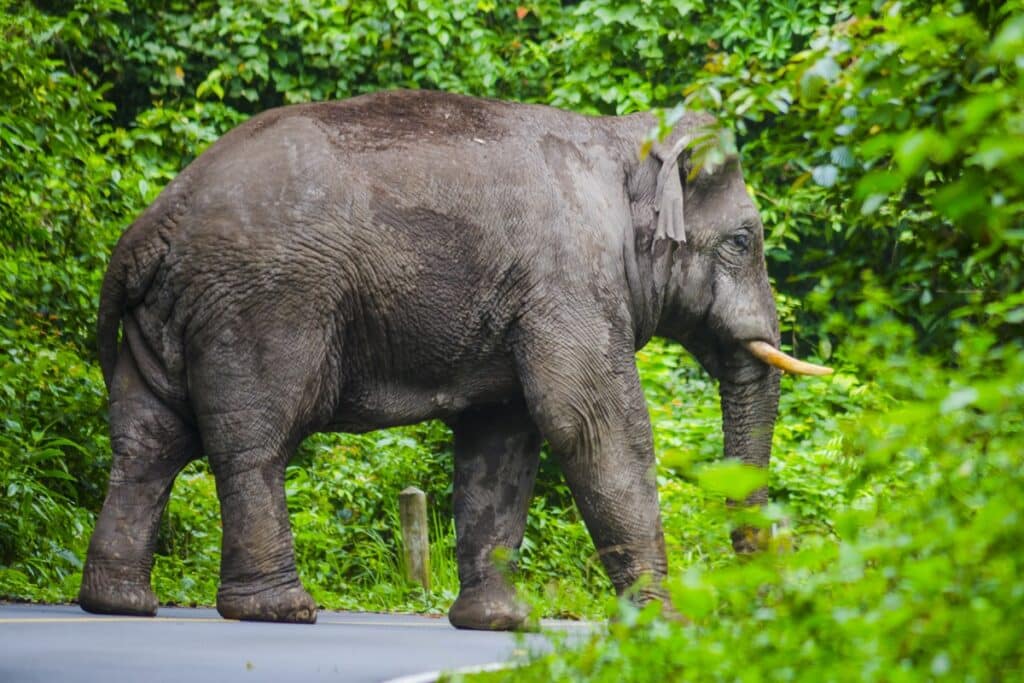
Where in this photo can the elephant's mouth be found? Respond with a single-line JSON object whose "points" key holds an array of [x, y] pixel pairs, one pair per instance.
{"points": [[770, 355]]}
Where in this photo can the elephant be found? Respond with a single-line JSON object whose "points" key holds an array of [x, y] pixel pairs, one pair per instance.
{"points": [[402, 256]]}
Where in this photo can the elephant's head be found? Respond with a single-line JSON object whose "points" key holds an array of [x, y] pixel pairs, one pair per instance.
{"points": [[718, 302]]}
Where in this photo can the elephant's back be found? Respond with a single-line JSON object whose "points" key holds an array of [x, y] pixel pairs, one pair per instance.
{"points": [[399, 151], [344, 160], [397, 119], [385, 125], [282, 210], [413, 170], [406, 202]]}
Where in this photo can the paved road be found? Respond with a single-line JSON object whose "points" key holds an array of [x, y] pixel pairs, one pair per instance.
{"points": [[63, 643]]}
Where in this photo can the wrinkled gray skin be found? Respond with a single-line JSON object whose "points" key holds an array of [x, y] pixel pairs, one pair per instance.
{"points": [[404, 256]]}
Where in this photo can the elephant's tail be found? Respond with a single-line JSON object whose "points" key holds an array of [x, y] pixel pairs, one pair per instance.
{"points": [[131, 270]]}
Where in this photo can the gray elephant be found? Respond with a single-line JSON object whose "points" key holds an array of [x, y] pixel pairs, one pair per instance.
{"points": [[409, 255]]}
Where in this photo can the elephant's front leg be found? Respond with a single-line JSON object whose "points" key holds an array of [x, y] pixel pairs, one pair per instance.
{"points": [[585, 396], [496, 455]]}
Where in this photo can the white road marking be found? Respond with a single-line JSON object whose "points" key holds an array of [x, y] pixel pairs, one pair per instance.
{"points": [[431, 676]]}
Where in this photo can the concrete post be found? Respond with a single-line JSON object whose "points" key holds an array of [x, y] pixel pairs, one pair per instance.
{"points": [[412, 511]]}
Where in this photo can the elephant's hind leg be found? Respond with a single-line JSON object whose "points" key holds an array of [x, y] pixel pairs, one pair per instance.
{"points": [[151, 444], [496, 455], [250, 412], [259, 581]]}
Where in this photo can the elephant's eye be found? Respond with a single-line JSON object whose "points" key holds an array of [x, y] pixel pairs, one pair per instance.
{"points": [[741, 240]]}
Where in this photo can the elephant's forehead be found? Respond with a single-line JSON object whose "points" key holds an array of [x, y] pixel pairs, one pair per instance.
{"points": [[721, 200]]}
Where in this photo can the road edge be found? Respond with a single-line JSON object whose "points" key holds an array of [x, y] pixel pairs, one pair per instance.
{"points": [[433, 676]]}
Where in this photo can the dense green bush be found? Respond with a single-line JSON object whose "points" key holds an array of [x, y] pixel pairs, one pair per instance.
{"points": [[892, 144], [882, 142], [57, 201], [916, 576]]}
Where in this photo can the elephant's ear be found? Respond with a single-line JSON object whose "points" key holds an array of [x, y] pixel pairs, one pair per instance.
{"points": [[668, 193]]}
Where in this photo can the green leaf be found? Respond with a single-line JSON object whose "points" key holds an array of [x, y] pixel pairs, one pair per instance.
{"points": [[685, 7], [1009, 42], [912, 150], [734, 480], [841, 156], [825, 175], [871, 203], [959, 399]]}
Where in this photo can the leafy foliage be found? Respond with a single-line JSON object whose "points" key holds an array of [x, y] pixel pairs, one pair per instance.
{"points": [[56, 194], [911, 169], [915, 577], [883, 144]]}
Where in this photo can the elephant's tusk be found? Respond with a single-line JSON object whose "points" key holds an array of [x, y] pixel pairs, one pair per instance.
{"points": [[772, 356]]}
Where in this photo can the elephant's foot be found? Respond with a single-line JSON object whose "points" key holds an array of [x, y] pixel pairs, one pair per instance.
{"points": [[491, 607], [289, 604], [114, 590]]}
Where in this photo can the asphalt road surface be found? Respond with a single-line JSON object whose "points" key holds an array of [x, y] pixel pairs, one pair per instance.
{"points": [[63, 643]]}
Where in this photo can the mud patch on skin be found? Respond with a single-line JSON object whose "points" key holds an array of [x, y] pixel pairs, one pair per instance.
{"points": [[267, 119], [561, 156], [385, 120], [565, 160]]}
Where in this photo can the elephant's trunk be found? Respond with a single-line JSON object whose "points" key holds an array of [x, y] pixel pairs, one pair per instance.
{"points": [[748, 419]]}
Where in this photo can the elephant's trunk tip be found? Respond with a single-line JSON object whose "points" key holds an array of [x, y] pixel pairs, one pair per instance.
{"points": [[767, 353]]}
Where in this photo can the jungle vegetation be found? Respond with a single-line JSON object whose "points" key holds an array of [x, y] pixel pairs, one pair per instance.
{"points": [[884, 144]]}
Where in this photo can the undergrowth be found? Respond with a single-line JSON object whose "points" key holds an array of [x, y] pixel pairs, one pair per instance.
{"points": [[914, 574]]}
